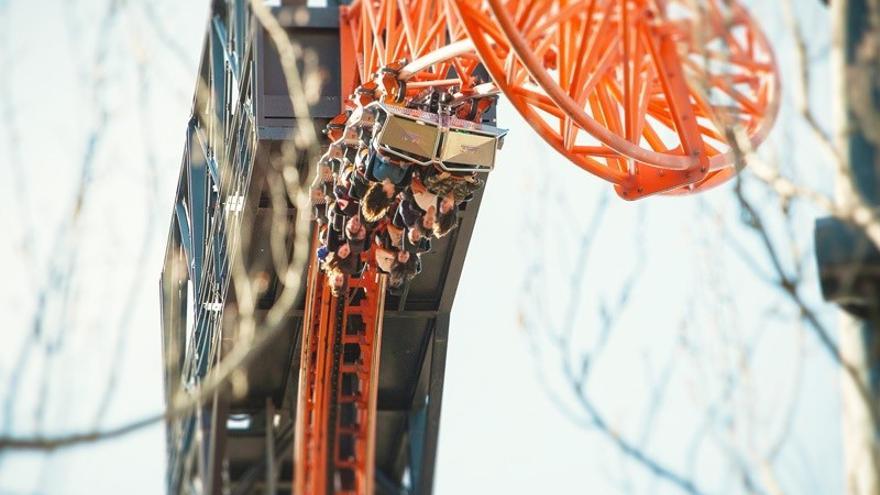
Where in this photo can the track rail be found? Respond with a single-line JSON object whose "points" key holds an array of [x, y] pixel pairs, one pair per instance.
{"points": [[336, 413]]}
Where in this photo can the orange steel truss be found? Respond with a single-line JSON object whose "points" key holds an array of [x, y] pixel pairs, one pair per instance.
{"points": [[335, 423], [639, 92], [642, 93], [420, 41]]}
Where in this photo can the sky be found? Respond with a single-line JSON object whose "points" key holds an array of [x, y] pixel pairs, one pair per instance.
{"points": [[111, 97]]}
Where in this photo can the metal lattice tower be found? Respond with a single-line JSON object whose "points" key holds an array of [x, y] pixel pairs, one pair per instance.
{"points": [[241, 118]]}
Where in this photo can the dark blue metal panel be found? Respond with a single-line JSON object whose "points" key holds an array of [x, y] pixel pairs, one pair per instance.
{"points": [[197, 205], [223, 44], [239, 14], [418, 419], [218, 80], [185, 237]]}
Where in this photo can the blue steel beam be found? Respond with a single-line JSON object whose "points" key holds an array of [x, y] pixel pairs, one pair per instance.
{"points": [[197, 206], [185, 237], [418, 420]]}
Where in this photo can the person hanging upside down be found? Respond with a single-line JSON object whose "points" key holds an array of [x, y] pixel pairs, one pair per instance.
{"points": [[377, 200], [379, 168], [462, 185], [447, 217]]}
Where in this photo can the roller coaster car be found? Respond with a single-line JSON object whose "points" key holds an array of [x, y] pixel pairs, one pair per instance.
{"points": [[426, 138]]}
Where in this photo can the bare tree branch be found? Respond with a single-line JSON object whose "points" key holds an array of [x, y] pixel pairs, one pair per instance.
{"points": [[135, 287], [248, 349]]}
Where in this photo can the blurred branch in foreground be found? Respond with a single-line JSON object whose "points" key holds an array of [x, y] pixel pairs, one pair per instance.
{"points": [[253, 337]]}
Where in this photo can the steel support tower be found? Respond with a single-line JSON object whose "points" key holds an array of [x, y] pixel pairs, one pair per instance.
{"points": [[240, 440]]}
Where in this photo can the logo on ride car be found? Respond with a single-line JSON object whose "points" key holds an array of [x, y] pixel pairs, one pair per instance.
{"points": [[408, 137], [469, 149]]}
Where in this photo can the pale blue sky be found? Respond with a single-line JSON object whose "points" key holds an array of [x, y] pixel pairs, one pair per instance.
{"points": [[695, 304]]}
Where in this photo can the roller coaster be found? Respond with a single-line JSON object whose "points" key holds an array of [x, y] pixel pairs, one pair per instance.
{"points": [[342, 391]]}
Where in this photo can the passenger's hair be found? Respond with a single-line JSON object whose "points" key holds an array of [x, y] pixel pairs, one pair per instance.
{"points": [[404, 271], [346, 265], [375, 203], [445, 223], [395, 280]]}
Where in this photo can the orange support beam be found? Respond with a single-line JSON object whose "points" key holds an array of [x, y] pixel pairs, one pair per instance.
{"points": [[339, 369]]}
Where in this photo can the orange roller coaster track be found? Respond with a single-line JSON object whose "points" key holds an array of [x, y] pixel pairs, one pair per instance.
{"points": [[337, 392], [638, 92], [645, 94]]}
